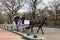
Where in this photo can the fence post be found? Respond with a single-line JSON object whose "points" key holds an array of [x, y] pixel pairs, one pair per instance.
{"points": [[11, 28], [7, 27], [17, 29], [4, 26]]}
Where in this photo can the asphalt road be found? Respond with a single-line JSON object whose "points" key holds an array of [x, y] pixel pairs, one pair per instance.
{"points": [[50, 33]]}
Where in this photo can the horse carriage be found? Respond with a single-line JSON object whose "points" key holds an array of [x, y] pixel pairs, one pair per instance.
{"points": [[31, 24], [18, 23]]}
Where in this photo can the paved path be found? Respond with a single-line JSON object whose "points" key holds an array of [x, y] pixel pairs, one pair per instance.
{"points": [[50, 33], [6, 35]]}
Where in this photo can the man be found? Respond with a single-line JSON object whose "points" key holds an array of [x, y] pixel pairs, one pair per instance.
{"points": [[22, 19], [16, 20]]}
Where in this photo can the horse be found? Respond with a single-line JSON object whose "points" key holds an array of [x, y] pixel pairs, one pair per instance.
{"points": [[38, 24]]}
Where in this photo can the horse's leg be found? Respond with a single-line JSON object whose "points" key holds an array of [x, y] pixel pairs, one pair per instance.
{"points": [[38, 29], [32, 29], [42, 31]]}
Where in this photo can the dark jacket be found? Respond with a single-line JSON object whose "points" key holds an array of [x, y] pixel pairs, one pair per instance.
{"points": [[16, 19], [23, 18]]}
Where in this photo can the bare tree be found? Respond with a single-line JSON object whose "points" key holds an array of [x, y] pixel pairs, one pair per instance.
{"points": [[13, 6], [55, 6], [33, 5], [0, 17]]}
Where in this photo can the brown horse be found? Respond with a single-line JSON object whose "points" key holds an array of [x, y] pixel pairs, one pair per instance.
{"points": [[38, 24]]}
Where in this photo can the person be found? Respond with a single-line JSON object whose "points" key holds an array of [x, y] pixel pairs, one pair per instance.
{"points": [[16, 20], [22, 19]]}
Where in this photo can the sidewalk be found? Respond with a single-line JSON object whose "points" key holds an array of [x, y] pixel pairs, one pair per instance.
{"points": [[6, 35]]}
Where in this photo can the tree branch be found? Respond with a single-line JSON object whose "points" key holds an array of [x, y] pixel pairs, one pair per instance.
{"points": [[39, 2]]}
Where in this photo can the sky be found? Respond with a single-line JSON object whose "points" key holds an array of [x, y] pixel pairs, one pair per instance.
{"points": [[46, 3], [24, 9]]}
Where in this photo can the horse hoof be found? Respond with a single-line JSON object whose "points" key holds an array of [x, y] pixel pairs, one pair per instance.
{"points": [[37, 32], [43, 33], [28, 34], [32, 31], [35, 36]]}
